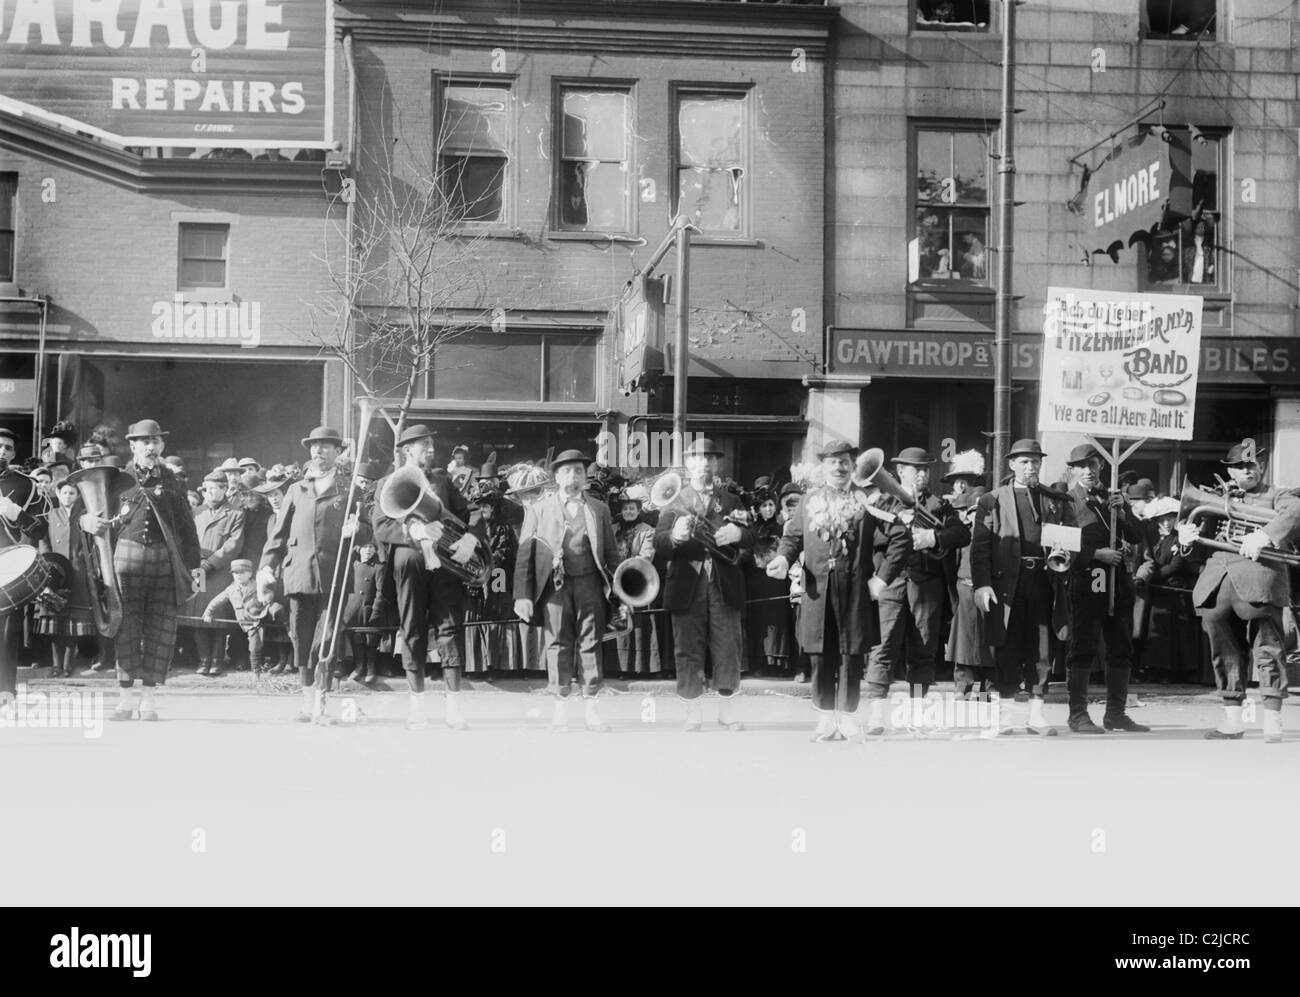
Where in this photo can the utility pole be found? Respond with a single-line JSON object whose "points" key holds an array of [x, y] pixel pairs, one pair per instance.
{"points": [[681, 352], [1006, 237]]}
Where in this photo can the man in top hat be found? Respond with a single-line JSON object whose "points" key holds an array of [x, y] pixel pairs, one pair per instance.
{"points": [[564, 574], [837, 626], [1019, 598], [302, 548], [1094, 569], [23, 512], [704, 593], [220, 528], [916, 566], [1245, 594], [427, 598], [156, 551]]}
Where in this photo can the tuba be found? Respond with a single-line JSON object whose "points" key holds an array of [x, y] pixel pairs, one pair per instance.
{"points": [[869, 472], [406, 495], [97, 487], [1239, 519]]}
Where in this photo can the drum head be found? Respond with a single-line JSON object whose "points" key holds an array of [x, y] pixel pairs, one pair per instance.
{"points": [[14, 561]]}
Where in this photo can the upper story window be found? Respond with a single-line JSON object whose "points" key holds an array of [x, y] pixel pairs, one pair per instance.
{"points": [[516, 367], [595, 152], [8, 208], [712, 161], [1189, 251], [203, 256], [475, 146], [952, 15], [1186, 20], [950, 197]]}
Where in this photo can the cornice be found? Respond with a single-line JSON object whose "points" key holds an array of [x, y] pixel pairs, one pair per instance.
{"points": [[652, 27], [140, 174]]}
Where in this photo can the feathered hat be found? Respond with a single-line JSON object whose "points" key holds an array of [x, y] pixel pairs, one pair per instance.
{"points": [[968, 464]]}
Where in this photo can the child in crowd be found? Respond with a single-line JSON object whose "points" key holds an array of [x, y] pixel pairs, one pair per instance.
{"points": [[250, 611]]}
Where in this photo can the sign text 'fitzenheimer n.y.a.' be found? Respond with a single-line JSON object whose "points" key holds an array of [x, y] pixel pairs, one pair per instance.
{"points": [[186, 73]]}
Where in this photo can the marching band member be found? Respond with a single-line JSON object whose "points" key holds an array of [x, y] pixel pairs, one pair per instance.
{"points": [[916, 583], [1013, 588], [1088, 583], [704, 594], [302, 547], [1239, 592], [156, 550], [563, 578], [837, 624], [637, 651], [22, 521], [428, 598]]}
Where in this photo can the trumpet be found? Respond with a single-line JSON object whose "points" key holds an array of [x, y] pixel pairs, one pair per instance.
{"points": [[407, 495], [665, 492], [869, 472], [95, 485], [1059, 559], [1239, 518]]}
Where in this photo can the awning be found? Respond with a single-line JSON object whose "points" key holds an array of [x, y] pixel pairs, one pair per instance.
{"points": [[1141, 189]]}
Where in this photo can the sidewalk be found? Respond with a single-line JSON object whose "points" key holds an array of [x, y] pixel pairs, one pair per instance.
{"points": [[535, 683]]}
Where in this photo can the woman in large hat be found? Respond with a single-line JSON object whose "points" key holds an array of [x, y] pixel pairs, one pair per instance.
{"points": [[498, 646], [769, 617]]}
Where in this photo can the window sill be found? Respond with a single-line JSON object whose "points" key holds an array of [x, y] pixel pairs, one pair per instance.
{"points": [[620, 237], [495, 232], [709, 240], [946, 288], [206, 296]]}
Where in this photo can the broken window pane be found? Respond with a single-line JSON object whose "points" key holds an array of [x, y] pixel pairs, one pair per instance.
{"points": [[476, 119], [593, 174], [474, 187], [711, 160], [711, 198]]}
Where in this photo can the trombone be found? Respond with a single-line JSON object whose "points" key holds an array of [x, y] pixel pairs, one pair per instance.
{"points": [[667, 488], [333, 614]]}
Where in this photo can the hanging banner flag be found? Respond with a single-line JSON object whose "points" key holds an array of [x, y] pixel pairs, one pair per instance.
{"points": [[188, 73], [1119, 364]]}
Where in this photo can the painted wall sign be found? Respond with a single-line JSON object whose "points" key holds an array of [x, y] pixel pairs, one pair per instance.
{"points": [[190, 73]]}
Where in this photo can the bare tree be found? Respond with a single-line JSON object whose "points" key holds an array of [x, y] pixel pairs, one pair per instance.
{"points": [[407, 278]]}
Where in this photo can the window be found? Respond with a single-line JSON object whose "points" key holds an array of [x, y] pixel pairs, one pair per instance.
{"points": [[712, 153], [1181, 20], [1186, 252], [594, 161], [952, 15], [8, 204], [516, 367], [475, 139], [203, 255], [951, 214]]}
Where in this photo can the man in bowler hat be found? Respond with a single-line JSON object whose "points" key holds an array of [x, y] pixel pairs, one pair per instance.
{"points": [[564, 574], [704, 593]]}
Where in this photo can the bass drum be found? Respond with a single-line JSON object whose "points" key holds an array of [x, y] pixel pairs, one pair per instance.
{"points": [[23, 574]]}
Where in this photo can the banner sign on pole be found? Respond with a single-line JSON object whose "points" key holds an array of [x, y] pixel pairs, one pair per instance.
{"points": [[1121, 365], [250, 74]]}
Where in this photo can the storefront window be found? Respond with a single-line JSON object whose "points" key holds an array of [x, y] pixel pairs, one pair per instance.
{"points": [[516, 367]]}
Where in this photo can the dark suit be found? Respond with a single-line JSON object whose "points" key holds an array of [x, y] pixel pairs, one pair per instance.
{"points": [[30, 527], [574, 613], [1027, 593], [426, 599], [912, 604], [303, 545], [704, 595], [1241, 601], [1088, 585], [837, 623]]}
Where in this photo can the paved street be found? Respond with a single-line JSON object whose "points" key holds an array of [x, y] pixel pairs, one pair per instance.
{"points": [[228, 801]]}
